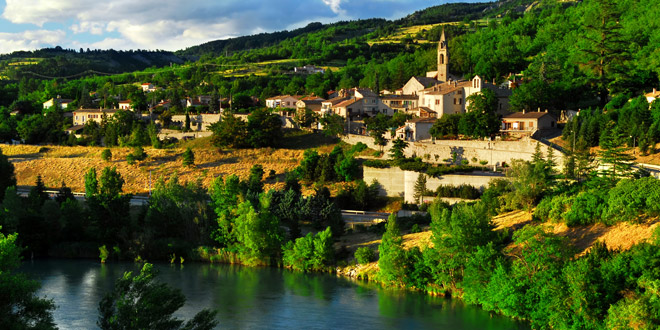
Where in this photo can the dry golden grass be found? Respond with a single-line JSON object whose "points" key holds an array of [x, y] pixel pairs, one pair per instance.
{"points": [[57, 164], [621, 236]]}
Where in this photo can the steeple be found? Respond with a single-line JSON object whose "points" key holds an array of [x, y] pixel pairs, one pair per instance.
{"points": [[443, 58]]}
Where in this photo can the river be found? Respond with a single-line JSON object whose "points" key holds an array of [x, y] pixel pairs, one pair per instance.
{"points": [[260, 298]]}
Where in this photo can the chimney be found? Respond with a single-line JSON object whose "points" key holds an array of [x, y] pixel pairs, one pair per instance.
{"points": [[523, 111], [546, 110], [539, 109], [653, 90]]}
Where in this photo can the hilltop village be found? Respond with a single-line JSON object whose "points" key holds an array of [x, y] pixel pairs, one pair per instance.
{"points": [[502, 153]]}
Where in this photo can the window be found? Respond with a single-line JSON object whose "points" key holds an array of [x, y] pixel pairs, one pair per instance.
{"points": [[437, 102], [531, 124], [460, 101]]}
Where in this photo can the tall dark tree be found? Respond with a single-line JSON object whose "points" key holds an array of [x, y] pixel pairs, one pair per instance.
{"points": [[230, 131], [264, 128], [7, 176], [481, 119], [615, 161], [604, 48]]}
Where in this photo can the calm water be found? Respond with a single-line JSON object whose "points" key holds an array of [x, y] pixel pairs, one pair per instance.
{"points": [[261, 298]]}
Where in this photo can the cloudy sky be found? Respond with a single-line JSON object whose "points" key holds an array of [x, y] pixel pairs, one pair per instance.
{"points": [[172, 24]]}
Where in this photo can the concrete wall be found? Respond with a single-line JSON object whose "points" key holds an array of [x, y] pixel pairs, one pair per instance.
{"points": [[495, 152], [398, 183]]}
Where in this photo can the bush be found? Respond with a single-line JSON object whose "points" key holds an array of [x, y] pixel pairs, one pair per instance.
{"points": [[106, 155], [465, 191], [130, 159], [632, 197], [375, 163], [364, 255], [138, 153], [358, 147], [188, 157]]}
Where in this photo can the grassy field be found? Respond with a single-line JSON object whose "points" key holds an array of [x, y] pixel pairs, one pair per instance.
{"points": [[58, 164]]}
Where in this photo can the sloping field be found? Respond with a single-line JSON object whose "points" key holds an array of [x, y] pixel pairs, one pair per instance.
{"points": [[621, 236], [58, 164]]}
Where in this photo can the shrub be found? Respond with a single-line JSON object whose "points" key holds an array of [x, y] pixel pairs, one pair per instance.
{"points": [[138, 153], [188, 157], [375, 163], [130, 159], [587, 208], [358, 147], [364, 255], [106, 155]]}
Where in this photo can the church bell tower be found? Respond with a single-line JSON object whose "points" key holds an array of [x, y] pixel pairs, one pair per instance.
{"points": [[443, 58]]}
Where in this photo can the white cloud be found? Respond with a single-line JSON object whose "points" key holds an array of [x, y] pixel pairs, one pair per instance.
{"points": [[91, 27], [39, 12], [177, 24], [335, 6], [30, 40]]}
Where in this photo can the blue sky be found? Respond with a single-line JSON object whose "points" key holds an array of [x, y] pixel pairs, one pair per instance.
{"points": [[172, 24]]}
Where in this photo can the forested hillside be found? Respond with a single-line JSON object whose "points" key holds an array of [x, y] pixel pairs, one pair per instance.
{"points": [[49, 63]]}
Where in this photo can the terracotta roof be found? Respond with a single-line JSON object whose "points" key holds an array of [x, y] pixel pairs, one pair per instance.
{"points": [[312, 98], [426, 109], [317, 101], [125, 101], [336, 100], [347, 103], [422, 120], [399, 97], [366, 92], [654, 94], [526, 115], [446, 88]]}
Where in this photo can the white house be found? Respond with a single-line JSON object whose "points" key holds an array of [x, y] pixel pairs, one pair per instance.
{"points": [[416, 129], [125, 105], [62, 103], [282, 101]]}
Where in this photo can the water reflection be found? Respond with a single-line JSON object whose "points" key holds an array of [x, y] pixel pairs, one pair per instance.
{"points": [[260, 298]]}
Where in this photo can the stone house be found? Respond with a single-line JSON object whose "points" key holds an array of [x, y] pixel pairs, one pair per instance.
{"points": [[82, 116], [282, 101], [416, 129], [400, 103], [527, 123], [416, 84]]}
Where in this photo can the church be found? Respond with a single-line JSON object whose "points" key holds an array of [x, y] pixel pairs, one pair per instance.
{"points": [[441, 93]]}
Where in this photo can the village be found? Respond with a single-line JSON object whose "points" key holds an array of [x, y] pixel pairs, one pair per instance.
{"points": [[423, 99]]}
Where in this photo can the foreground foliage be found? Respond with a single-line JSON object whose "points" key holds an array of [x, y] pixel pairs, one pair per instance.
{"points": [[139, 302], [19, 307]]}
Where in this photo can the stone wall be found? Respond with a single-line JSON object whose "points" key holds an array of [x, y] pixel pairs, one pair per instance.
{"points": [[495, 152], [395, 182]]}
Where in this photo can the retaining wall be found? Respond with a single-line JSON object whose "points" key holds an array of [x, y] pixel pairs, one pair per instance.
{"points": [[395, 182], [495, 152]]}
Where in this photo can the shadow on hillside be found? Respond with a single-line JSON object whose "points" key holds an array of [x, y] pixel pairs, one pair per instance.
{"points": [[301, 140], [31, 156], [230, 160], [584, 237], [82, 154]]}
